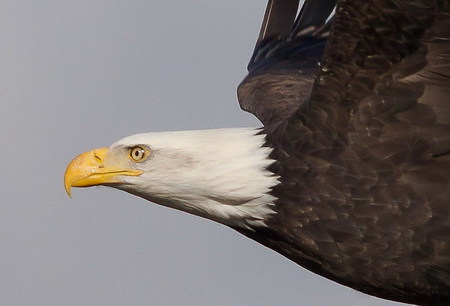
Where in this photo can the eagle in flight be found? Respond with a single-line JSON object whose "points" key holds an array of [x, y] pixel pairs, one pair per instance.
{"points": [[349, 176]]}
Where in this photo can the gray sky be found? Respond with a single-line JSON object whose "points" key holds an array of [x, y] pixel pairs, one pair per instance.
{"points": [[76, 75]]}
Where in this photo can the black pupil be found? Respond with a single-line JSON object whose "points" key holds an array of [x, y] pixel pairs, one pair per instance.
{"points": [[137, 152]]}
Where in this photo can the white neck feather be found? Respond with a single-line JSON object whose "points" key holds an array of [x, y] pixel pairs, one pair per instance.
{"points": [[217, 174]]}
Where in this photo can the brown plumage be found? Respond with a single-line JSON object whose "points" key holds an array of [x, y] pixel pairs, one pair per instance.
{"points": [[361, 143]]}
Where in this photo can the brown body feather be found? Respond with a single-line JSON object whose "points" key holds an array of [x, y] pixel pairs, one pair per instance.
{"points": [[363, 152]]}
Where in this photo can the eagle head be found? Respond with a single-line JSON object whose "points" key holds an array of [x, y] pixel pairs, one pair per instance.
{"points": [[217, 174]]}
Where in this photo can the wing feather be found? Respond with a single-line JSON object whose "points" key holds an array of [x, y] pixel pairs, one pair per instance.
{"points": [[363, 149], [285, 60]]}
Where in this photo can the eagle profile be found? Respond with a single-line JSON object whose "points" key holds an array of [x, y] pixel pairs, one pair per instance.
{"points": [[349, 176]]}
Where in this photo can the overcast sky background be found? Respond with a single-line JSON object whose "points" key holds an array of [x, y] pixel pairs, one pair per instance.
{"points": [[76, 75]]}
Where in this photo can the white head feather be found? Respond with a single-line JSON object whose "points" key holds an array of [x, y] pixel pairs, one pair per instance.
{"points": [[217, 174]]}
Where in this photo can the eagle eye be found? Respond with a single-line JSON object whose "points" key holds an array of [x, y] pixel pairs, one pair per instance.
{"points": [[138, 153]]}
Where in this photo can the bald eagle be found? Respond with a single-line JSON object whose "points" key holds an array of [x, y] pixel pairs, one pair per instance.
{"points": [[350, 174]]}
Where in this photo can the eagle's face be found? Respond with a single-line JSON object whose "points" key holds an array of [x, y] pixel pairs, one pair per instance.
{"points": [[102, 167]]}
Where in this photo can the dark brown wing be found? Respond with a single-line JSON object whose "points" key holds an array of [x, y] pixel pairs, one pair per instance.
{"points": [[364, 165], [286, 59]]}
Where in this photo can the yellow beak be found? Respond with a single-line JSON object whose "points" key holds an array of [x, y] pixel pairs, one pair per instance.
{"points": [[88, 169]]}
